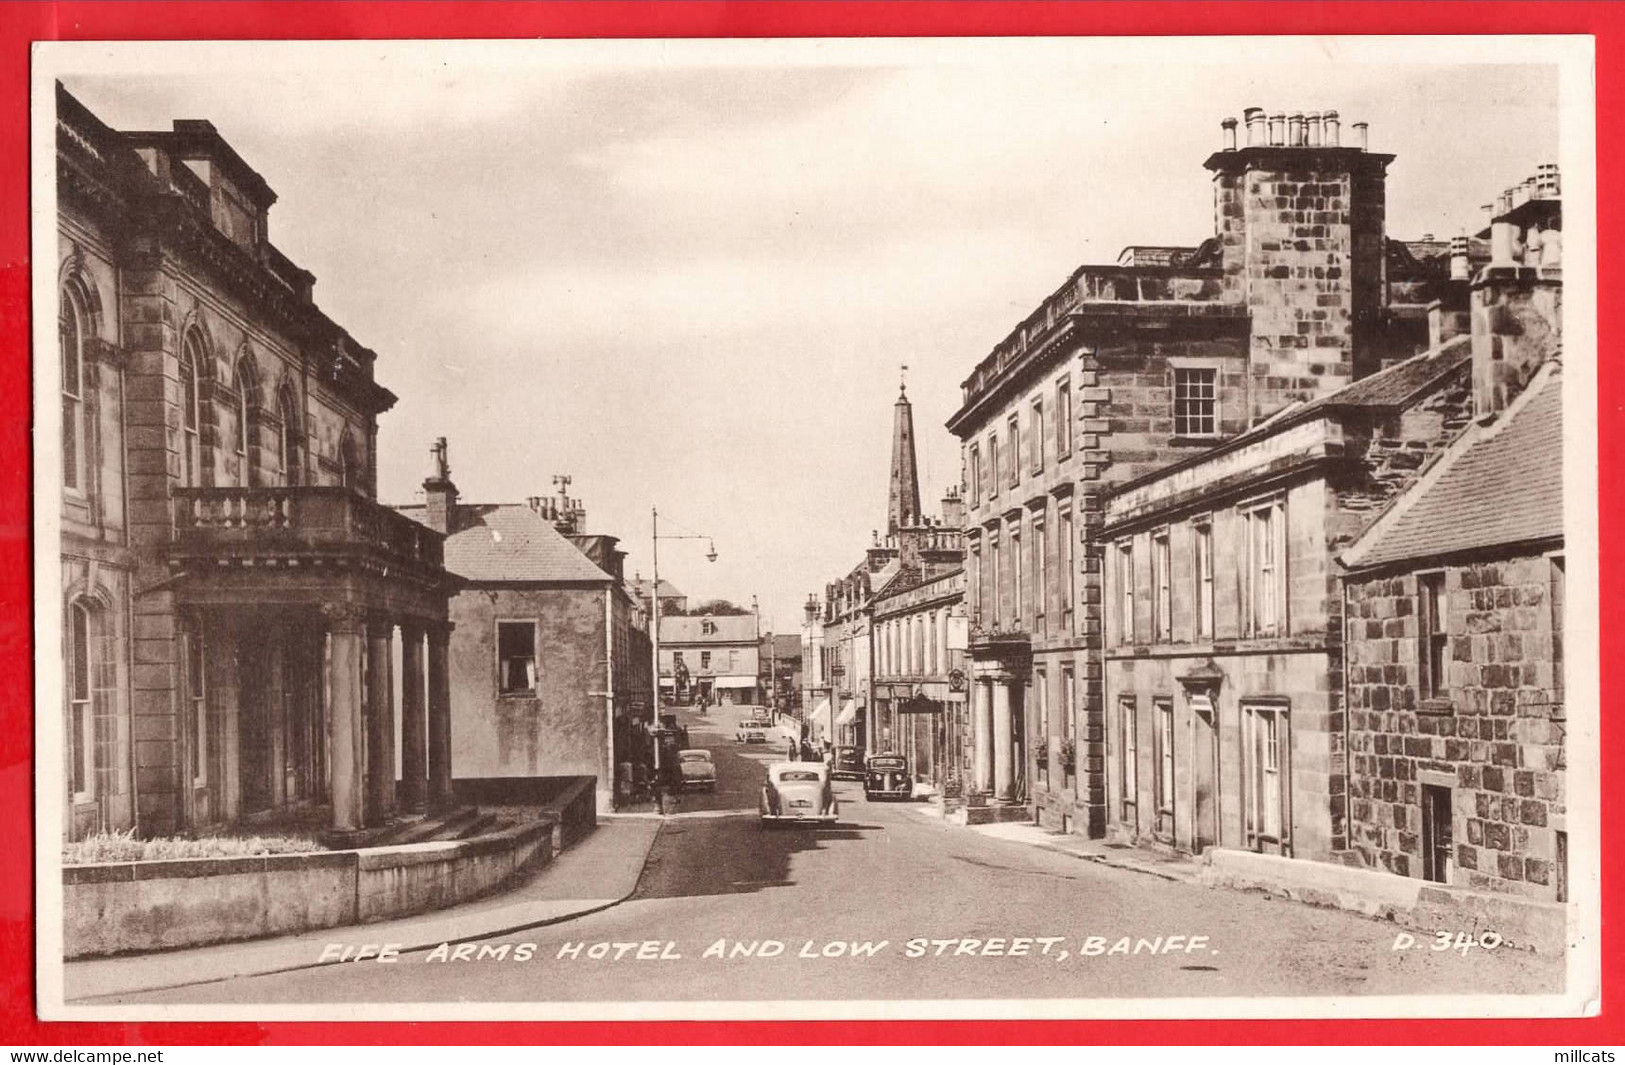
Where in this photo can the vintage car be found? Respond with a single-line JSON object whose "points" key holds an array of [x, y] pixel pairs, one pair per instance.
{"points": [[798, 793], [846, 763], [698, 769], [748, 732], [885, 776]]}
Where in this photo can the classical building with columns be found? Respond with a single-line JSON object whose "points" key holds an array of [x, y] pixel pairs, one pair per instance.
{"points": [[1128, 367], [231, 588], [550, 670]]}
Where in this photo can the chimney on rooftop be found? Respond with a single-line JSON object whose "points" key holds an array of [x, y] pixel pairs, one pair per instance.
{"points": [[1256, 133], [1311, 125], [1362, 132], [953, 509], [439, 493], [1332, 138], [1229, 127], [1294, 130], [1278, 129]]}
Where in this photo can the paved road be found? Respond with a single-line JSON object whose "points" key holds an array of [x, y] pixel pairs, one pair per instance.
{"points": [[836, 911]]}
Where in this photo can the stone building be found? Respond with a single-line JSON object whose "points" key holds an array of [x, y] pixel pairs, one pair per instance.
{"points": [[920, 678], [1223, 646], [1455, 600], [1129, 367], [720, 655], [232, 590], [550, 656]]}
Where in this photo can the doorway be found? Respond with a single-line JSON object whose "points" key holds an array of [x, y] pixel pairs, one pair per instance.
{"points": [[1436, 845]]}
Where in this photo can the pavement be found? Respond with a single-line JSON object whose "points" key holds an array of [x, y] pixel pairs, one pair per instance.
{"points": [[596, 873], [892, 903], [1167, 866]]}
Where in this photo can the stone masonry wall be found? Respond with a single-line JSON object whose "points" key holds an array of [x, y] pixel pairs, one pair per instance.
{"points": [[1498, 740]]}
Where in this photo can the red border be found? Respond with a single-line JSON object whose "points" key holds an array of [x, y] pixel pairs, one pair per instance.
{"points": [[22, 23]]}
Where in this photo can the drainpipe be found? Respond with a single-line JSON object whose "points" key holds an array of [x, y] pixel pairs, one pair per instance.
{"points": [[1347, 804], [609, 688], [124, 539]]}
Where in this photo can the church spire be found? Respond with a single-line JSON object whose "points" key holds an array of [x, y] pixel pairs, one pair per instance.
{"points": [[903, 506]]}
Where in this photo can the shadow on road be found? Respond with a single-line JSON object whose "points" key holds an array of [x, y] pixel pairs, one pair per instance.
{"points": [[731, 855]]}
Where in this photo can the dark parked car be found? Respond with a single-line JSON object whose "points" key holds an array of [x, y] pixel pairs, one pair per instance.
{"points": [[846, 763], [885, 776]]}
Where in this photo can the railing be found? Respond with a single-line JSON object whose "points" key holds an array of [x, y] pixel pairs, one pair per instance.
{"points": [[303, 516], [1095, 285]]}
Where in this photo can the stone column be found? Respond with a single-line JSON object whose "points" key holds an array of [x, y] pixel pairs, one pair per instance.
{"points": [[440, 797], [414, 739], [345, 626], [1004, 754], [982, 735], [380, 722]]}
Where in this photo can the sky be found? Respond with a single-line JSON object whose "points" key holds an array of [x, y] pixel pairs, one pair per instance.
{"points": [[688, 274]]}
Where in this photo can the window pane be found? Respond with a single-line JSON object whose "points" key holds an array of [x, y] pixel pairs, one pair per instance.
{"points": [[79, 651]]}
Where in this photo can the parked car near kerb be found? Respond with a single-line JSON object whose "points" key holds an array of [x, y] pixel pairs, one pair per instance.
{"points": [[798, 793], [698, 769], [750, 733], [846, 763], [885, 776]]}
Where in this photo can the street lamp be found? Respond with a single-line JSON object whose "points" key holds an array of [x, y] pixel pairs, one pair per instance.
{"points": [[655, 536]]}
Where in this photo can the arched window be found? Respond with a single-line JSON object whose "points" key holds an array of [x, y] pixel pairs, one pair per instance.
{"points": [[71, 333], [80, 651], [289, 458], [192, 356], [246, 415], [241, 384]]}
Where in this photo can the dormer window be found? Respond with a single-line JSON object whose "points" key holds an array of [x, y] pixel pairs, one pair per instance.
{"points": [[708, 627]]}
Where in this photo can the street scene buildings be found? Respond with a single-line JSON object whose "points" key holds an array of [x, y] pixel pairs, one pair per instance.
{"points": [[1249, 573]]}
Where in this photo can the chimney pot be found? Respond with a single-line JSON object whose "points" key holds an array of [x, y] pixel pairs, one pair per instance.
{"points": [[1256, 133], [1294, 130], [1277, 129], [1362, 131], [1312, 128], [1329, 122], [1229, 127], [1459, 265]]}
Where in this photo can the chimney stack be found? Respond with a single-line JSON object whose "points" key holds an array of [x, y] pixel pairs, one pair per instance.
{"points": [[953, 509], [439, 493]]}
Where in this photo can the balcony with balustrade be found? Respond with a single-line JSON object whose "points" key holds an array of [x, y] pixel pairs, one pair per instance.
{"points": [[303, 545]]}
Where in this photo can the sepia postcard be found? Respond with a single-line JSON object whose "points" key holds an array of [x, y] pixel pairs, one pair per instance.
{"points": [[844, 528]]}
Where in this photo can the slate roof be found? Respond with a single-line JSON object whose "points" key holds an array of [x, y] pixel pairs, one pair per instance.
{"points": [[731, 628], [511, 542], [1402, 382], [1499, 484], [668, 590]]}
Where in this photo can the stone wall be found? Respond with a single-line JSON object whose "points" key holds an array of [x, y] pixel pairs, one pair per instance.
{"points": [[561, 730], [123, 907], [1497, 741]]}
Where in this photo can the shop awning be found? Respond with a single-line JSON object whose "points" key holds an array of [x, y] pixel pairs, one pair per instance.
{"points": [[668, 682], [820, 716], [849, 713], [734, 682]]}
